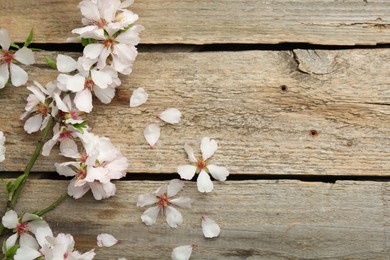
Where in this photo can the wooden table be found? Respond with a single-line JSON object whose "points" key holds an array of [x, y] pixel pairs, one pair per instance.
{"points": [[297, 94]]}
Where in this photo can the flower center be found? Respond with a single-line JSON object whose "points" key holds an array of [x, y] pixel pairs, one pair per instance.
{"points": [[74, 115], [164, 200], [43, 109], [21, 228], [7, 57], [81, 174], [100, 23], [109, 42], [201, 164], [65, 134], [89, 84]]}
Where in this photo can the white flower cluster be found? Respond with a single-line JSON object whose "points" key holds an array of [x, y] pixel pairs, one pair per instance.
{"points": [[36, 240]]}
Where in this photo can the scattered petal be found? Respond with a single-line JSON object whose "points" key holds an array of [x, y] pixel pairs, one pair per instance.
{"points": [[106, 240], [171, 115], [138, 97], [152, 134], [182, 252], [209, 227]]}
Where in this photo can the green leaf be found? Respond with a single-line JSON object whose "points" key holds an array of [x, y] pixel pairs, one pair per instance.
{"points": [[29, 38], [15, 45], [81, 126], [10, 252], [51, 62]]}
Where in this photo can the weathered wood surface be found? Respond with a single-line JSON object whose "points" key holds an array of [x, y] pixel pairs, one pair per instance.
{"points": [[259, 220], [236, 98], [333, 22]]}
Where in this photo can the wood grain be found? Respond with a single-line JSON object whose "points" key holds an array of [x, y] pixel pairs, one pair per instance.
{"points": [[258, 219], [332, 118], [332, 22]]}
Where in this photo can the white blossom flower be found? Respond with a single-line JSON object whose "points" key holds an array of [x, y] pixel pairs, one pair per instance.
{"points": [[8, 58], [23, 229], [182, 252], [95, 168], [152, 134], [162, 199], [33, 251], [208, 148], [209, 227], [67, 113], [2, 147], [138, 97], [101, 82], [106, 240], [62, 247], [40, 106], [170, 115], [65, 135]]}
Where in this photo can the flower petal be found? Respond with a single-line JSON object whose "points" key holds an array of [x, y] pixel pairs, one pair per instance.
{"points": [[183, 202], [170, 115], [146, 200], [4, 75], [204, 182], [138, 97], [66, 63], [64, 169], [25, 56], [101, 79], [26, 240], [106, 240], [218, 172], [174, 217], [209, 227], [33, 124], [105, 95], [190, 153], [11, 241], [152, 134], [68, 148], [83, 101], [10, 219], [77, 191], [75, 83], [4, 39], [186, 172], [182, 252], [24, 253], [149, 217], [174, 187], [93, 50], [41, 233], [48, 146], [18, 75], [208, 147]]}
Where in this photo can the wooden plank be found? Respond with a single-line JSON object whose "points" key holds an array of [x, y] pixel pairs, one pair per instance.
{"points": [[224, 21], [332, 119], [259, 220]]}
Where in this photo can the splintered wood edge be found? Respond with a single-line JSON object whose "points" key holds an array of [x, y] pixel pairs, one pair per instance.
{"points": [[209, 22], [258, 219], [331, 118]]}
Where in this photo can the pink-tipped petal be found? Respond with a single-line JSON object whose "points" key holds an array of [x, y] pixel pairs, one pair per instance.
{"points": [[149, 217], [24, 56], [174, 217], [170, 115], [190, 153], [182, 252], [106, 240], [66, 63], [138, 97], [18, 75], [186, 172], [174, 187], [209, 227], [208, 147], [204, 182], [146, 200], [219, 173], [152, 134]]}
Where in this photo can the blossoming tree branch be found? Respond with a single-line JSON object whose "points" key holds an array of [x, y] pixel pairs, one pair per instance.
{"points": [[56, 109]]}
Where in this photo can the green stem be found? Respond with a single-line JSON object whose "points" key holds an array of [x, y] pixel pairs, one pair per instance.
{"points": [[52, 206], [38, 149]]}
